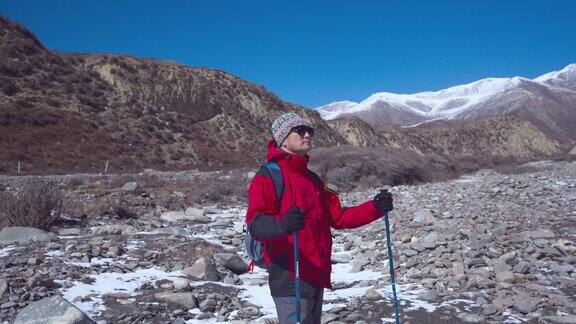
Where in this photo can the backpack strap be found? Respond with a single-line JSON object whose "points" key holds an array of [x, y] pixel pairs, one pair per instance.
{"points": [[277, 178]]}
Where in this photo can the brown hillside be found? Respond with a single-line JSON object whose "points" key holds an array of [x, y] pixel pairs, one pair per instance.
{"points": [[72, 112], [505, 136]]}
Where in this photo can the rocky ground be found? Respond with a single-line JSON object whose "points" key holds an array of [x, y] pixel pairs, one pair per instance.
{"points": [[484, 248]]}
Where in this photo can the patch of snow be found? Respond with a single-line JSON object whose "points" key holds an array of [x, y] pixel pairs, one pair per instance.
{"points": [[111, 282], [426, 121], [343, 273], [5, 251], [467, 179], [510, 318], [95, 262], [210, 238], [134, 244], [54, 254], [259, 295]]}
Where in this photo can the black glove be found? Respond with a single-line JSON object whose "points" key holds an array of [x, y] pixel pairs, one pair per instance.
{"points": [[293, 220], [383, 201]]}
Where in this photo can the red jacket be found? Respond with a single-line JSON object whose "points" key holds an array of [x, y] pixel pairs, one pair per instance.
{"points": [[321, 208]]}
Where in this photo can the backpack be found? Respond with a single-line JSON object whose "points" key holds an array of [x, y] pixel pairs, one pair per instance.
{"points": [[255, 248]]}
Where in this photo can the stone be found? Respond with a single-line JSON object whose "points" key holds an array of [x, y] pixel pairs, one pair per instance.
{"points": [[501, 266], [10, 235], [185, 299], [202, 269], [3, 287], [423, 216], [173, 216], [197, 215], [117, 229], [69, 232], [505, 276], [170, 231], [115, 251], [359, 262], [414, 273], [229, 280], [372, 294], [430, 238], [538, 234], [457, 268], [34, 261], [54, 309], [208, 305], [130, 186], [118, 295], [559, 319], [341, 258], [525, 304], [428, 295], [191, 214], [179, 194], [476, 262], [503, 302], [232, 262], [439, 272], [328, 318], [471, 318], [488, 310], [181, 284], [409, 252]]}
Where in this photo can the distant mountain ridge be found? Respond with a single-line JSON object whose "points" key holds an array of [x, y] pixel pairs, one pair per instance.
{"points": [[548, 101]]}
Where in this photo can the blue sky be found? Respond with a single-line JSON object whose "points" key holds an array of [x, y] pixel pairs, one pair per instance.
{"points": [[316, 52]]}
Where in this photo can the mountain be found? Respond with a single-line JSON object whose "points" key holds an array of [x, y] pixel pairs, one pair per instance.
{"points": [[549, 102], [565, 78], [66, 112], [502, 136]]}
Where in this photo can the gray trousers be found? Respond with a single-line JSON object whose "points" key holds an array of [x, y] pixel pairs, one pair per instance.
{"points": [[310, 308]]}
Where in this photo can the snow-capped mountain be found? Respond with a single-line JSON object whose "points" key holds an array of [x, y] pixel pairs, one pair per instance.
{"points": [[549, 101], [565, 78]]}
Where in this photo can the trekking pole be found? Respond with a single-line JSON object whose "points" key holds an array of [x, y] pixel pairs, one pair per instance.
{"points": [[297, 279], [391, 265]]}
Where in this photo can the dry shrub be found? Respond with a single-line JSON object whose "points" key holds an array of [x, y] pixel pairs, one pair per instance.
{"points": [[354, 168], [122, 212], [228, 187], [118, 181], [74, 183], [38, 204]]}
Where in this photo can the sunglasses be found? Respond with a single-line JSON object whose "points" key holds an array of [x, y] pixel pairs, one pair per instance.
{"points": [[302, 130]]}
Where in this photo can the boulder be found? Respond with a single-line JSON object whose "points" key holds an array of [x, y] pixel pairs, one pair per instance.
{"points": [[181, 283], [559, 319], [231, 261], [54, 309], [9, 235], [372, 294], [191, 214], [113, 230], [423, 216], [69, 232], [185, 299], [525, 304], [3, 287], [202, 269], [130, 186], [505, 276]]}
